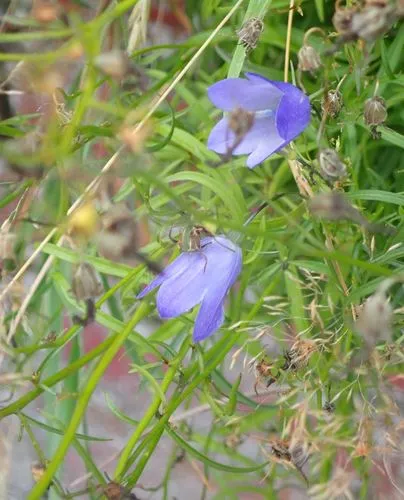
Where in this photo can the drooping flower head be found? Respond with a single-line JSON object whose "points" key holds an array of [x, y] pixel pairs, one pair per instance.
{"points": [[199, 277], [281, 112]]}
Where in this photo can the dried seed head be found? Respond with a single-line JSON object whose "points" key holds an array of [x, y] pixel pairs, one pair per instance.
{"points": [[263, 372], [85, 283], [298, 355], [37, 471], [375, 319], [331, 167], [375, 112], [83, 222], [240, 122], [309, 59], [114, 63], [332, 103], [250, 32], [296, 455]]}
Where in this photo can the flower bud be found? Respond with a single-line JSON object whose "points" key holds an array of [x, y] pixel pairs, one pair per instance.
{"points": [[250, 32], [331, 167], [85, 284], [375, 319], [114, 63], [240, 122], [332, 103], [309, 59], [375, 112]]}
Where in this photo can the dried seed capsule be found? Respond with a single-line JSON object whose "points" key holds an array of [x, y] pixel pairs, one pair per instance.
{"points": [[332, 103], [375, 112], [85, 283], [250, 32], [309, 59], [331, 167]]}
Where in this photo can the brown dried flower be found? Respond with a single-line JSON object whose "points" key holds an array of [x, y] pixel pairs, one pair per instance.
{"points": [[332, 103], [85, 283], [250, 32]]}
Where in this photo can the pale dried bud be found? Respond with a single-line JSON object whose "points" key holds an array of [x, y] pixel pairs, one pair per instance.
{"points": [[375, 319], [85, 283], [37, 471], [332, 103], [8, 240], [250, 32], [331, 167], [240, 122], [375, 112], [114, 63], [309, 59]]}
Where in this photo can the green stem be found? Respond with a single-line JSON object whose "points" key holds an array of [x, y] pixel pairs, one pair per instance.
{"points": [[222, 348], [83, 401], [151, 412]]}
